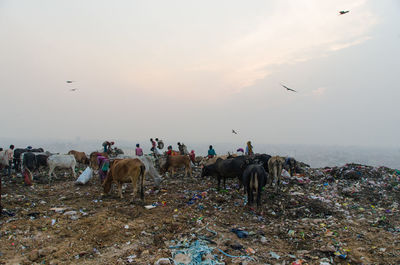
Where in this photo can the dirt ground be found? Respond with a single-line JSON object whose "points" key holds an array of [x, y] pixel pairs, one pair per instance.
{"points": [[319, 218]]}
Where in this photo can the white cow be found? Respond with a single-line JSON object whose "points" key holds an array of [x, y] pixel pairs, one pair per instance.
{"points": [[151, 171], [3, 159], [61, 161]]}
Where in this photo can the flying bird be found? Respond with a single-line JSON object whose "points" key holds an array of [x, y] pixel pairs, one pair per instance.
{"points": [[343, 12], [233, 131], [289, 89], [73, 89], [69, 81]]}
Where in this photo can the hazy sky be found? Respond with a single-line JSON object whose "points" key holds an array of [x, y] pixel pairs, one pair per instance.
{"points": [[194, 70]]}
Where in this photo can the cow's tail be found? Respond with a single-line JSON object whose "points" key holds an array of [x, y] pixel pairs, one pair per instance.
{"points": [[254, 181], [141, 179]]}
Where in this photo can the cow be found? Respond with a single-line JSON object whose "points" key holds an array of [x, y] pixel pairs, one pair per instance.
{"points": [[18, 155], [174, 162], [93, 159], [151, 171], [262, 159], [80, 157], [229, 168], [34, 161], [198, 159], [254, 179], [208, 161], [3, 159], [61, 161], [275, 166], [125, 171]]}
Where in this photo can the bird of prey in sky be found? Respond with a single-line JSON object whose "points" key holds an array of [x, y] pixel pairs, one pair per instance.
{"points": [[289, 89], [73, 89], [343, 12], [233, 131], [69, 81]]}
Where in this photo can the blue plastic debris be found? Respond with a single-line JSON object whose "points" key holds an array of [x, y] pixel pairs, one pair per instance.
{"points": [[240, 233], [196, 251]]}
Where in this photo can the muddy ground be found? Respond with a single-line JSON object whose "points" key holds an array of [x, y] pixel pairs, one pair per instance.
{"points": [[320, 218]]}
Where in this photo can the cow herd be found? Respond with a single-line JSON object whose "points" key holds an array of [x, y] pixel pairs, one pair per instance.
{"points": [[253, 172]]}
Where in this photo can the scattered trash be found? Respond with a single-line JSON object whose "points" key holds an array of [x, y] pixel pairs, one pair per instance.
{"points": [[240, 233], [274, 255], [131, 258], [195, 253]]}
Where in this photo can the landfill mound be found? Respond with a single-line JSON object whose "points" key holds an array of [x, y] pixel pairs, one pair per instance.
{"points": [[341, 215]]}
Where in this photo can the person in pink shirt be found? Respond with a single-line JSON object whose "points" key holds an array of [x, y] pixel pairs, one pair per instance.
{"points": [[139, 151]]}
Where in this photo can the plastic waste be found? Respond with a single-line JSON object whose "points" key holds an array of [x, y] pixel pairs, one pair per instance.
{"points": [[240, 233], [86, 175], [274, 255]]}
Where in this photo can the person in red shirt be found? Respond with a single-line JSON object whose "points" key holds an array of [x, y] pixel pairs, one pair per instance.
{"points": [[169, 152], [192, 156]]}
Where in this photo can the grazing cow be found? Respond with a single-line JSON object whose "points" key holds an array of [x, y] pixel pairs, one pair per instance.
{"points": [[18, 155], [151, 171], [229, 168], [93, 163], [61, 161], [3, 159], [198, 159], [34, 161], [290, 165], [125, 171], [262, 159], [80, 157], [275, 166], [254, 179], [174, 162], [209, 161]]}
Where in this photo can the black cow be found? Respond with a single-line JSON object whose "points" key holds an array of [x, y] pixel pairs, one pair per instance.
{"points": [[17, 157], [229, 168], [18, 153], [29, 161], [261, 159], [33, 161], [254, 179]]}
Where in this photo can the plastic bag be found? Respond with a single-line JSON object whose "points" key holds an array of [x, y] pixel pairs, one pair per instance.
{"points": [[85, 176]]}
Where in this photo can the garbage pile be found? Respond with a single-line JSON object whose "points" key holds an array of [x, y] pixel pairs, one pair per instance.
{"points": [[338, 215]]}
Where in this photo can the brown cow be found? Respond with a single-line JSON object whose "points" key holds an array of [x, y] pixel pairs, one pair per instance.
{"points": [[174, 162], [125, 171], [80, 157], [93, 159]]}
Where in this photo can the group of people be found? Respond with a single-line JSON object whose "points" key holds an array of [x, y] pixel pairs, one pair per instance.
{"points": [[157, 145]]}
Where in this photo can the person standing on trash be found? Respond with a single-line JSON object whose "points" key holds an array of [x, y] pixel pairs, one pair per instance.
{"points": [[10, 158], [249, 149], [211, 152], [160, 144], [138, 150], [153, 145], [154, 148], [169, 152], [192, 156], [107, 146], [180, 148]]}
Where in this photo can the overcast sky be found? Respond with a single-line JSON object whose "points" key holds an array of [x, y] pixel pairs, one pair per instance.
{"points": [[195, 70]]}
